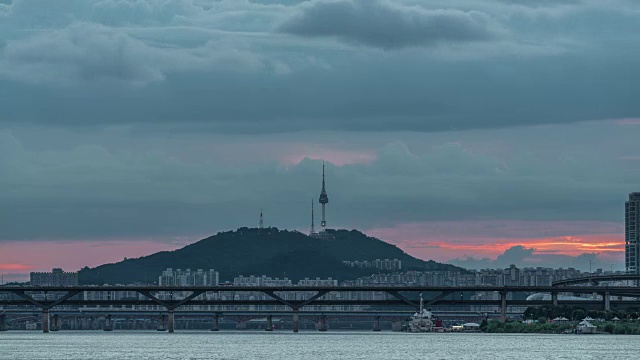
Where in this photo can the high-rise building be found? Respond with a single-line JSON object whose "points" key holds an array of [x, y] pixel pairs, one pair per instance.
{"points": [[512, 276], [632, 235], [56, 277]]}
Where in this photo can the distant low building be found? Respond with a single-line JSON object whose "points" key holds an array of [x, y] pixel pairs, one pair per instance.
{"points": [[260, 281], [386, 264], [511, 276], [188, 277], [57, 277], [318, 282]]}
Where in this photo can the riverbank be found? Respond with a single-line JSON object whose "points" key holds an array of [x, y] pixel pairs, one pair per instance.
{"points": [[515, 327]]}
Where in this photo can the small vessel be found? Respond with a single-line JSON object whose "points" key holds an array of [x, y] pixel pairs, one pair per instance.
{"points": [[585, 327], [421, 321]]}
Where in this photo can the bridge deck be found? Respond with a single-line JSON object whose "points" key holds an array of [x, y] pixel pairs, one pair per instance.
{"points": [[528, 289]]}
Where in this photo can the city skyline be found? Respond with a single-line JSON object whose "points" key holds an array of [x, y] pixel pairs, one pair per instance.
{"points": [[133, 127], [515, 252]]}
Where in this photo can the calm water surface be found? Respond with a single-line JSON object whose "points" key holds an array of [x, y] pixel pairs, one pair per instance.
{"points": [[83, 345]]}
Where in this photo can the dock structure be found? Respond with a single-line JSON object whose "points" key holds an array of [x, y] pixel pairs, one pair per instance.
{"points": [[398, 297]]}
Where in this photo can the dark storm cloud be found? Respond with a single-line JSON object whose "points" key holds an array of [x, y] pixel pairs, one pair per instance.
{"points": [[387, 25], [196, 66], [426, 99]]}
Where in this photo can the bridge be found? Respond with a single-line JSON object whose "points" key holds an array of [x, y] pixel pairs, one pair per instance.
{"points": [[399, 296], [106, 318], [595, 280]]}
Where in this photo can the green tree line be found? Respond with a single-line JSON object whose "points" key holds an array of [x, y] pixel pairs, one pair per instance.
{"points": [[628, 324], [577, 313]]}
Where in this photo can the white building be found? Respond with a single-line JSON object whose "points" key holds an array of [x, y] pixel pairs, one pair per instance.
{"points": [[318, 282], [386, 264], [188, 277], [260, 281]]}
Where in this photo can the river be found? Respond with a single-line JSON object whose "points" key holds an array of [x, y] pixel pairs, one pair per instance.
{"points": [[71, 345]]}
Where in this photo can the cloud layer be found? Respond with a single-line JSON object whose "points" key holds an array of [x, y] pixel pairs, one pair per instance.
{"points": [[388, 25], [154, 184], [282, 66], [128, 119]]}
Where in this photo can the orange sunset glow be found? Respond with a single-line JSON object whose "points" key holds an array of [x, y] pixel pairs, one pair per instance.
{"points": [[566, 245], [15, 267], [444, 242], [437, 241]]}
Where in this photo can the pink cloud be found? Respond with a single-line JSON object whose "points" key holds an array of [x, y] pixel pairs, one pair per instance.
{"points": [[287, 152], [15, 267], [630, 121], [73, 255], [334, 156]]}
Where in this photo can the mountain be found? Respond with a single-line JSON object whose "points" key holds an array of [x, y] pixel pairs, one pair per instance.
{"points": [[272, 252]]}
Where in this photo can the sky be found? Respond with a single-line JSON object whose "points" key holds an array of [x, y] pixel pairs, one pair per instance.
{"points": [[480, 133]]}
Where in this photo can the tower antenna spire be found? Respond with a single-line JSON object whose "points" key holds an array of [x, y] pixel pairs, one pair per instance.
{"points": [[323, 187], [261, 220]]}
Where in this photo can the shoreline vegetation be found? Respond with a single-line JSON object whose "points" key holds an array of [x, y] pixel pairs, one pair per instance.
{"points": [[626, 322], [517, 327]]}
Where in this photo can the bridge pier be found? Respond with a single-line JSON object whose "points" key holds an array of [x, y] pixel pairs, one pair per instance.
{"points": [[241, 325], [269, 323], [56, 323], [503, 306], [107, 323], [376, 324], [554, 298], [171, 322], [216, 322], [396, 326], [607, 301], [3, 322], [45, 320], [296, 320], [161, 323], [323, 323]]}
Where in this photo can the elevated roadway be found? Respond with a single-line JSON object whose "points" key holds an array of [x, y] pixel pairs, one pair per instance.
{"points": [[595, 280], [399, 296]]}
